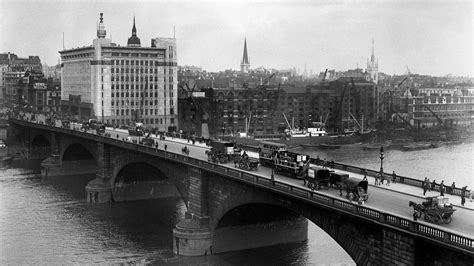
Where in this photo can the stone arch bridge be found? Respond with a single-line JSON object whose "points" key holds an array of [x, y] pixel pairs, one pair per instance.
{"points": [[229, 209]]}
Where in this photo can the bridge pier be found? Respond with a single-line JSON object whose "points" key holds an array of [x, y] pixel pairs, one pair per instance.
{"points": [[192, 236], [99, 190], [51, 166], [249, 236]]}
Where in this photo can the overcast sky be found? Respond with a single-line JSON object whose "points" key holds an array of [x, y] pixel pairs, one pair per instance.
{"points": [[430, 36]]}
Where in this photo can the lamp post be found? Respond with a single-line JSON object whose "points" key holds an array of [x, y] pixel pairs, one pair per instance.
{"points": [[223, 130], [381, 163]]}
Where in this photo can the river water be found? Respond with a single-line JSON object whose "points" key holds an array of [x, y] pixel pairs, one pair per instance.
{"points": [[47, 221]]}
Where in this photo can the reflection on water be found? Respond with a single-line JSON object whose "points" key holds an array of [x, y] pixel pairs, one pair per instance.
{"points": [[48, 221]]}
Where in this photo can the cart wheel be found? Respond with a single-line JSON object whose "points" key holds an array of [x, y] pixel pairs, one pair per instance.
{"points": [[427, 217], [447, 220]]}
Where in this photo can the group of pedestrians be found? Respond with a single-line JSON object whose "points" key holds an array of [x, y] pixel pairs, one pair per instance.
{"points": [[428, 185], [380, 178]]}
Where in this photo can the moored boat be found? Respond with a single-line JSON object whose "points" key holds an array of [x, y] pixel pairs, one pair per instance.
{"points": [[416, 147], [329, 146], [437, 144]]}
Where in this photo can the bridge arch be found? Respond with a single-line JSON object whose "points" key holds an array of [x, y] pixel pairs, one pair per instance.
{"points": [[350, 233], [75, 152], [40, 141], [144, 178]]}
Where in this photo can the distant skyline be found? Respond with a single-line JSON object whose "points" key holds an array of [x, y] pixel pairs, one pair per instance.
{"points": [[428, 37]]}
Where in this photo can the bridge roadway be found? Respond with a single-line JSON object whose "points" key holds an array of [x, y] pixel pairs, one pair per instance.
{"points": [[382, 198]]}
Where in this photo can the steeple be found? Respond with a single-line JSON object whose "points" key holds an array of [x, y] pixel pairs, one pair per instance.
{"points": [[245, 64], [134, 29], [372, 66], [372, 58], [101, 28], [134, 41]]}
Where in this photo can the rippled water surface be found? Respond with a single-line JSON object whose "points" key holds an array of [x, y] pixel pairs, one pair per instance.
{"points": [[47, 221], [449, 162]]}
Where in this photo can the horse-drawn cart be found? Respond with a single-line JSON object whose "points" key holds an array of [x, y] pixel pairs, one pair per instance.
{"points": [[434, 210], [317, 178], [245, 163], [356, 189]]}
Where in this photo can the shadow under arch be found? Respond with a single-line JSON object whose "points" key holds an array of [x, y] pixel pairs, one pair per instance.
{"points": [[265, 224], [140, 181], [76, 152], [40, 141]]}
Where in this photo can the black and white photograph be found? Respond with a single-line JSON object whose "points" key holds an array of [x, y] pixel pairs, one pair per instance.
{"points": [[237, 132]]}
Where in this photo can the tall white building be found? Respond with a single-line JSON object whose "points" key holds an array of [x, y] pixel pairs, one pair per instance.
{"points": [[373, 67], [122, 84]]}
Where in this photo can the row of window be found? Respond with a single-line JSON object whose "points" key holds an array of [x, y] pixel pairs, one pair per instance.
{"points": [[138, 78], [136, 63], [132, 103], [75, 56], [137, 103], [137, 94], [141, 87], [143, 112], [133, 70], [442, 115], [138, 55], [147, 121]]}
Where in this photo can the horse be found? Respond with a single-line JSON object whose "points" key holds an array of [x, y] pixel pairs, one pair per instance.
{"points": [[185, 150]]}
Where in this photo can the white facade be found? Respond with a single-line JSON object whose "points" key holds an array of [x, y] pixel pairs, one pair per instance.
{"points": [[124, 84]]}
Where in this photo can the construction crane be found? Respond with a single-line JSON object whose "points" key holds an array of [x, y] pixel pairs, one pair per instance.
{"points": [[325, 73], [190, 97], [267, 80], [440, 121], [339, 109], [388, 94]]}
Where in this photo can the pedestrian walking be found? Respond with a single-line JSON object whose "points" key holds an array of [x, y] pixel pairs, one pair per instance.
{"points": [[441, 188], [166, 147], [428, 184], [365, 177], [377, 176], [425, 185], [394, 177], [433, 184], [453, 186], [463, 196]]}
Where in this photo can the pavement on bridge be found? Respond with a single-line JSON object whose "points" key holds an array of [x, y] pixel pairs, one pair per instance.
{"points": [[398, 187]]}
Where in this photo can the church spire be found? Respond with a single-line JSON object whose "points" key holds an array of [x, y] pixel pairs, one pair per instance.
{"points": [[245, 64], [372, 58], [134, 41], [245, 59], [134, 29]]}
